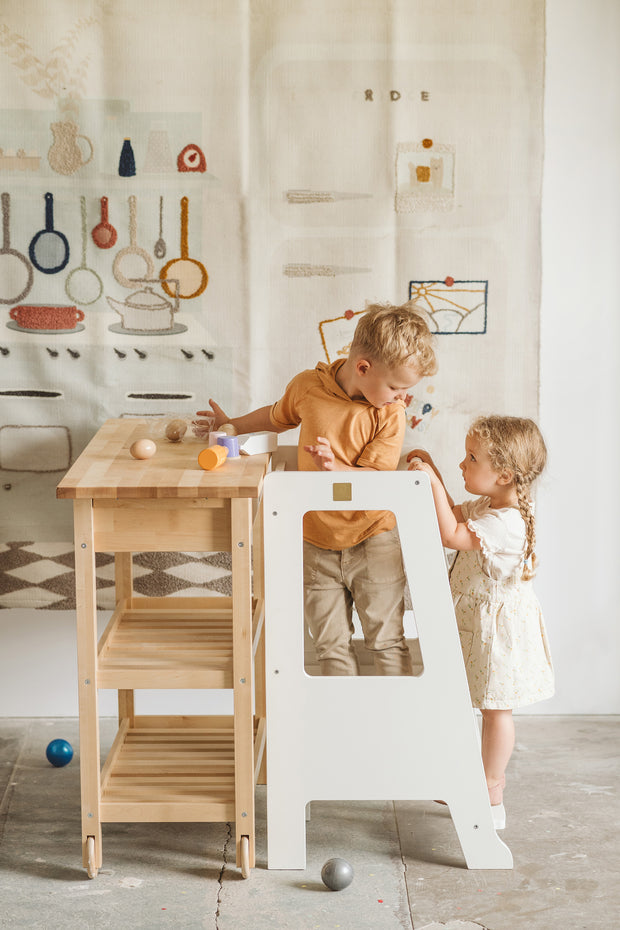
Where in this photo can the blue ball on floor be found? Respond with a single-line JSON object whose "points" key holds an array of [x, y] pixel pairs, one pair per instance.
{"points": [[337, 874], [59, 752]]}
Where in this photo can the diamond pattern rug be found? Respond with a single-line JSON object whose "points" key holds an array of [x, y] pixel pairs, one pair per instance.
{"points": [[42, 575]]}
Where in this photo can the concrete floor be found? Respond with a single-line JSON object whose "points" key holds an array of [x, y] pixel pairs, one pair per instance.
{"points": [[563, 817]]}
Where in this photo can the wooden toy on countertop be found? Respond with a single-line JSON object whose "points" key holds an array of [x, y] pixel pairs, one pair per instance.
{"points": [[177, 427], [249, 443], [257, 443], [231, 443], [212, 457], [143, 449], [176, 430]]}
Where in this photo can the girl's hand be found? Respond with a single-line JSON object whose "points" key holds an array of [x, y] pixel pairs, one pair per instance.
{"points": [[420, 454], [322, 454], [215, 413], [417, 464]]}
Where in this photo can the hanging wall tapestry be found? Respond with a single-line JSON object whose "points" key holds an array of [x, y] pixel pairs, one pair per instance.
{"points": [[201, 204]]}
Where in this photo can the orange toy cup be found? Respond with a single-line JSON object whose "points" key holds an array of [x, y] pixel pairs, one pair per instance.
{"points": [[212, 457]]}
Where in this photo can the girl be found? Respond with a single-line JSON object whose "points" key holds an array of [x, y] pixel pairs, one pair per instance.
{"points": [[499, 618]]}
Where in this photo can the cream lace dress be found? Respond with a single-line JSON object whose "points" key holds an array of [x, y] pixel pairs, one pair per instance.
{"points": [[500, 622]]}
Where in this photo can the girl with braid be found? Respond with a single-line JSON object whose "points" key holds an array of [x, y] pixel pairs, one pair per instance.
{"points": [[499, 618]]}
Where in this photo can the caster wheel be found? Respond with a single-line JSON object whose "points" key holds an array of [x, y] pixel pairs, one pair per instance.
{"points": [[245, 856], [91, 868]]}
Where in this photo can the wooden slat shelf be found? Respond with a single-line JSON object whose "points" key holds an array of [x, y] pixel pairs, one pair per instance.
{"points": [[168, 646], [170, 774]]}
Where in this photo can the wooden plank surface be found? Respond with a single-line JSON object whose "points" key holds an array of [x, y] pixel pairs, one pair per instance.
{"points": [[171, 774], [106, 470], [167, 649]]}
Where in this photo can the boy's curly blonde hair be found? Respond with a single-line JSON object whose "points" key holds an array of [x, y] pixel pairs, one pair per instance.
{"points": [[516, 444], [395, 336]]}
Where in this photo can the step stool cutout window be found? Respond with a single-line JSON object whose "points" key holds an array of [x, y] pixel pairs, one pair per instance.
{"points": [[360, 596]]}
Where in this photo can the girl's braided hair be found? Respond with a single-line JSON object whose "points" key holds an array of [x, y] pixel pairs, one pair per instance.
{"points": [[516, 444]]}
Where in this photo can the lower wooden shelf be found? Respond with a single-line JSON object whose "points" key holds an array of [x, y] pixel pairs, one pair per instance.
{"points": [[170, 769], [168, 643]]}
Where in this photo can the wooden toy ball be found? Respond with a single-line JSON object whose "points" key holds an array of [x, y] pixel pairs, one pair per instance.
{"points": [[337, 874], [176, 430], [143, 448]]}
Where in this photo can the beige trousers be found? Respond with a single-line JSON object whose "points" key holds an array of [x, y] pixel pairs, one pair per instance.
{"points": [[371, 576]]}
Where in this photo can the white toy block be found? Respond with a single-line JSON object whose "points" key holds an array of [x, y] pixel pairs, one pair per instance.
{"points": [[257, 443], [367, 737]]}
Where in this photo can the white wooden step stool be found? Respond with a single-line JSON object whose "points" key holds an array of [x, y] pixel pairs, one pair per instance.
{"points": [[367, 737]]}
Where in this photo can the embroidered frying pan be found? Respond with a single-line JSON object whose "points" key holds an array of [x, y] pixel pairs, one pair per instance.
{"points": [[190, 274], [15, 270], [132, 263], [49, 249], [83, 285], [104, 235]]}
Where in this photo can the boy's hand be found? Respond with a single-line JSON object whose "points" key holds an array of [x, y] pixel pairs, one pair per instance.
{"points": [[215, 413], [322, 454]]}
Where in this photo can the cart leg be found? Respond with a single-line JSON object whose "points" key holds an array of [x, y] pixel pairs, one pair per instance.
{"points": [[86, 612], [126, 707], [123, 578], [241, 533]]}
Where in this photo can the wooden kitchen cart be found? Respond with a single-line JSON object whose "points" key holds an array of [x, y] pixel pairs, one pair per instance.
{"points": [[168, 768]]}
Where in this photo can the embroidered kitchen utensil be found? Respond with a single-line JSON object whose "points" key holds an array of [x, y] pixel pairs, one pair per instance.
{"points": [[83, 284], [49, 248], [132, 263], [15, 270], [104, 234], [191, 274]]}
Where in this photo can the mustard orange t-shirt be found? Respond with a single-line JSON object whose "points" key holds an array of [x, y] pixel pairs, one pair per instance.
{"points": [[359, 434]]}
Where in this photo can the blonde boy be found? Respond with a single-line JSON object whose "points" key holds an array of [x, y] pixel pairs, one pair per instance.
{"points": [[352, 415]]}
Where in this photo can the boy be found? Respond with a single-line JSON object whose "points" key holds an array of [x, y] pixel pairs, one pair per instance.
{"points": [[352, 415]]}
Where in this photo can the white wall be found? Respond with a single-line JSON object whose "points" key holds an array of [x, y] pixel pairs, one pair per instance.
{"points": [[580, 391]]}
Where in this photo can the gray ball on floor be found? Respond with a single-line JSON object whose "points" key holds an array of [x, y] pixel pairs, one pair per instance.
{"points": [[337, 874]]}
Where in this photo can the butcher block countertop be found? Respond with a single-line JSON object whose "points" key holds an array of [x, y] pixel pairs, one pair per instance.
{"points": [[106, 470]]}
